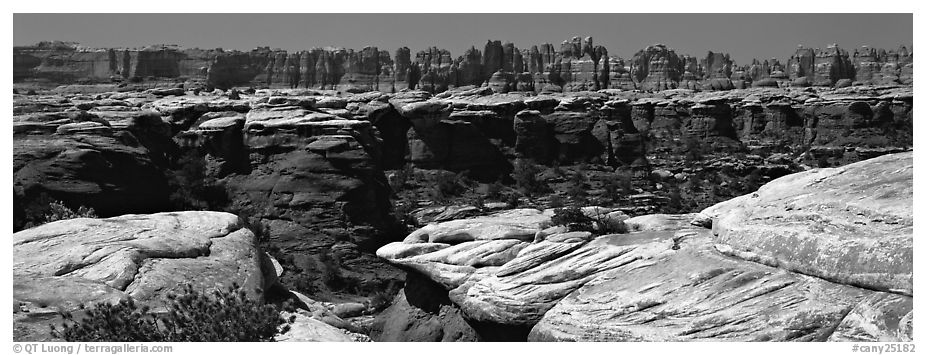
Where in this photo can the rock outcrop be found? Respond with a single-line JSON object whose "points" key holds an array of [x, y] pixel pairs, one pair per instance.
{"points": [[113, 165], [60, 265], [422, 312], [792, 223], [577, 65], [776, 267]]}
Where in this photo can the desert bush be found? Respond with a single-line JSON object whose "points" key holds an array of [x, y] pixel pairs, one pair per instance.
{"points": [[556, 201], [476, 201], [494, 190], [225, 315], [525, 176], [692, 151], [513, 199], [610, 226], [618, 187], [57, 211], [447, 185], [576, 190], [675, 203], [696, 183], [753, 181], [403, 212], [193, 188], [382, 297], [572, 218], [333, 277]]}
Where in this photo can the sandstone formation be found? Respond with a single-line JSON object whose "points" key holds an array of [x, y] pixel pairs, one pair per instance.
{"points": [[422, 313], [259, 137], [792, 224], [76, 156], [299, 145], [751, 278], [61, 265], [139, 152], [577, 65], [306, 329]]}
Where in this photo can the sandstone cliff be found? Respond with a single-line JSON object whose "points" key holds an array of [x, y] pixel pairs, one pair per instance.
{"points": [[577, 65]]}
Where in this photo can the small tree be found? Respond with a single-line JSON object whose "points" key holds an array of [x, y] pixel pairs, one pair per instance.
{"points": [[58, 211]]}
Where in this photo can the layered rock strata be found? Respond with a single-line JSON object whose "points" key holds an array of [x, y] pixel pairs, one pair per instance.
{"points": [[577, 65]]}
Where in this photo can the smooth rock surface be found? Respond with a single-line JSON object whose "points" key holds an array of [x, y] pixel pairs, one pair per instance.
{"points": [[63, 264], [852, 224]]}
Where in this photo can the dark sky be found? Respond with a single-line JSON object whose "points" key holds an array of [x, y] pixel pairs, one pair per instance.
{"points": [[744, 36]]}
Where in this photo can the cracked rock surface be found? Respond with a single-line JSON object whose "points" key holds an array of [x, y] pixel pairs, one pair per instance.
{"points": [[787, 263], [60, 265]]}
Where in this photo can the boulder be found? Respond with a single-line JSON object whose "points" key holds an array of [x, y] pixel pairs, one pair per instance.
{"points": [[422, 312], [68, 263]]}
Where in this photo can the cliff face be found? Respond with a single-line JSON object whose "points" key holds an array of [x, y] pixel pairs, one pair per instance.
{"points": [[578, 65], [66, 63]]}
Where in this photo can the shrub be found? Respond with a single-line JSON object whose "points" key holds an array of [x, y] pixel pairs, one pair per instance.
{"points": [[695, 183], [525, 176], [382, 297], [513, 200], [193, 188], [332, 276], [476, 201], [675, 203], [753, 181], [58, 211], [448, 185], [610, 226], [494, 190], [693, 150], [620, 186], [576, 189], [556, 201], [402, 212], [572, 218], [225, 315]]}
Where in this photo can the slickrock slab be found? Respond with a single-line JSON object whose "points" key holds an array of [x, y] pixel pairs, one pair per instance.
{"points": [[813, 280], [519, 224], [697, 293], [852, 224], [306, 328], [63, 264]]}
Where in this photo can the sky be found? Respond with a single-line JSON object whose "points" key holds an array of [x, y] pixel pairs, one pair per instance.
{"points": [[744, 36]]}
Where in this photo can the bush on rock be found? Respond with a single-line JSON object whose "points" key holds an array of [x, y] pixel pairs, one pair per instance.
{"points": [[225, 315]]}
